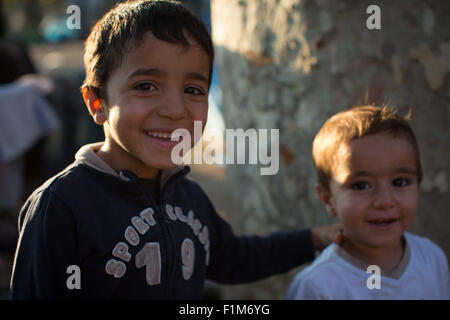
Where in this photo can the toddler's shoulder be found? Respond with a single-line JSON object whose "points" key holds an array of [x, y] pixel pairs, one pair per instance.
{"points": [[425, 249], [319, 280]]}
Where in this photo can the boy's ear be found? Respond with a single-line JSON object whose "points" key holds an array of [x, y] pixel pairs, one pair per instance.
{"points": [[325, 196], [94, 105]]}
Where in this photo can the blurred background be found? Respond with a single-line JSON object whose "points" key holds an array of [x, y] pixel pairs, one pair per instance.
{"points": [[287, 64]]}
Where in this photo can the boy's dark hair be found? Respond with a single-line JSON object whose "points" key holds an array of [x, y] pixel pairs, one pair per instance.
{"points": [[122, 29], [356, 123]]}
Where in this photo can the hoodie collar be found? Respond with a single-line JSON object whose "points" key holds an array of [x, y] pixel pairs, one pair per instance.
{"points": [[87, 155]]}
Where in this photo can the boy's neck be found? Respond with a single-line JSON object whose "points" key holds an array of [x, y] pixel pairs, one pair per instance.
{"points": [[387, 258], [115, 161]]}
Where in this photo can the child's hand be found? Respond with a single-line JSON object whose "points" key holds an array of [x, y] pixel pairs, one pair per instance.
{"points": [[323, 236]]}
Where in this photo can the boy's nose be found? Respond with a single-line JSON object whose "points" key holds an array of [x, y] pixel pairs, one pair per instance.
{"points": [[173, 107], [384, 198]]}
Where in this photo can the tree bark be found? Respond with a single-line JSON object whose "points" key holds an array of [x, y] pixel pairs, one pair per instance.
{"points": [[291, 64]]}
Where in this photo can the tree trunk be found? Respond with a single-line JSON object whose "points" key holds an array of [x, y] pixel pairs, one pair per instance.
{"points": [[291, 64]]}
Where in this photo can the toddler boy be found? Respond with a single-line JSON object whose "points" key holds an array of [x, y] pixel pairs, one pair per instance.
{"points": [[368, 165]]}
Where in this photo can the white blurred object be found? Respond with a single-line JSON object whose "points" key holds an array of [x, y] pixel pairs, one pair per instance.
{"points": [[439, 183], [40, 82], [215, 118], [25, 116]]}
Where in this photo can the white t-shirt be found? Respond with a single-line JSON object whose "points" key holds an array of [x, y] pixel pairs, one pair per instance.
{"points": [[423, 273]]}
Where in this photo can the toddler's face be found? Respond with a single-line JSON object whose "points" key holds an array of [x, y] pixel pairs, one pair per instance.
{"points": [[375, 189], [159, 87]]}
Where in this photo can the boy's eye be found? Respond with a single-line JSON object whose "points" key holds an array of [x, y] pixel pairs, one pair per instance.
{"points": [[145, 86], [360, 185], [400, 182], [193, 90]]}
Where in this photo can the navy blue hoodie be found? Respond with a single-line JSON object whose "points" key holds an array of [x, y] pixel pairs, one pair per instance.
{"points": [[125, 244]]}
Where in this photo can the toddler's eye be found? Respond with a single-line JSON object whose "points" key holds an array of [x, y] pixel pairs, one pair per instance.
{"points": [[360, 185], [145, 86], [400, 182], [193, 90]]}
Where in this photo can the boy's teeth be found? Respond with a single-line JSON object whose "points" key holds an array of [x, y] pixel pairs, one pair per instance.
{"points": [[162, 135]]}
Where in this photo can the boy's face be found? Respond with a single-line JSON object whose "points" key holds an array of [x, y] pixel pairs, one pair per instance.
{"points": [[159, 87], [374, 191]]}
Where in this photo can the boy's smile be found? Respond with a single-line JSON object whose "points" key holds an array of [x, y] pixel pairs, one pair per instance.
{"points": [[374, 192], [158, 87]]}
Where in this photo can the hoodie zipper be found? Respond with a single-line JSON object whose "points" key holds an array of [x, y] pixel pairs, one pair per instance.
{"points": [[171, 255], [170, 233], [171, 268], [168, 245]]}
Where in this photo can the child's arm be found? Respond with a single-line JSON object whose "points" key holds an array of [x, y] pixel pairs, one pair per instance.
{"points": [[250, 258], [47, 247], [241, 259]]}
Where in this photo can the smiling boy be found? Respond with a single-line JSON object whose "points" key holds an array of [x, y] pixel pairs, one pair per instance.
{"points": [[132, 222], [368, 165], [159, 87]]}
